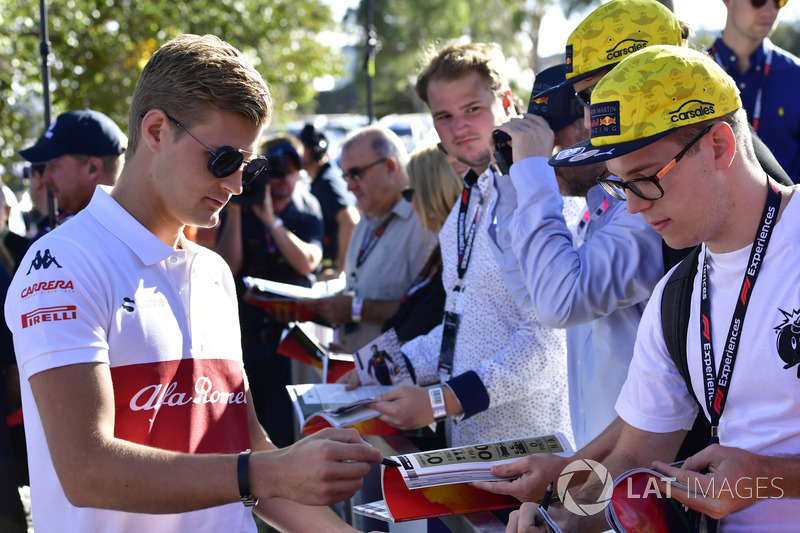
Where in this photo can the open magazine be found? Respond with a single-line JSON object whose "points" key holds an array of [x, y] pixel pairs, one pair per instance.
{"points": [[301, 346], [442, 476], [636, 504], [274, 296], [319, 405]]}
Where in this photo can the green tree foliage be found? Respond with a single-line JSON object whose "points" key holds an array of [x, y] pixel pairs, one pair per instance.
{"points": [[99, 48], [405, 27]]}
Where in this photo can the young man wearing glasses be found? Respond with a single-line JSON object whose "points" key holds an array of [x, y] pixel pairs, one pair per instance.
{"points": [[388, 246], [687, 166], [762, 72], [137, 409]]}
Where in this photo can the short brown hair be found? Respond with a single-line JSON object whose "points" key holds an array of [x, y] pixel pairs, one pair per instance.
{"points": [[192, 73], [457, 60]]}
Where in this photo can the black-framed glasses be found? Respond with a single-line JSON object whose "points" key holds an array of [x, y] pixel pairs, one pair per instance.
{"points": [[356, 173], [760, 3], [647, 188], [408, 193], [584, 96], [228, 159]]}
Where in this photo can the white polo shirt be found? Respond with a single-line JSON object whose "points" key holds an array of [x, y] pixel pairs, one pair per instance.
{"points": [[102, 288]]}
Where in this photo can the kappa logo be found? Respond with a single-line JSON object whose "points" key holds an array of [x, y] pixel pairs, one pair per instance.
{"points": [[788, 341], [702, 109], [42, 261]]}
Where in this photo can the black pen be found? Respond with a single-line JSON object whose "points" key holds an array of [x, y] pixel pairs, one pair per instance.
{"points": [[548, 495], [389, 462]]}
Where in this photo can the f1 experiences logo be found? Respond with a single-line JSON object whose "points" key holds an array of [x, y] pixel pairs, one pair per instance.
{"points": [[584, 509]]}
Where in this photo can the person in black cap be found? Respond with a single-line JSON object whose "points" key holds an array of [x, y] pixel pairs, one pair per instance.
{"points": [[339, 211], [273, 231], [593, 280], [81, 149]]}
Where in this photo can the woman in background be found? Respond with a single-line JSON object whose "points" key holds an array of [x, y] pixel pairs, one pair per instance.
{"points": [[435, 187]]}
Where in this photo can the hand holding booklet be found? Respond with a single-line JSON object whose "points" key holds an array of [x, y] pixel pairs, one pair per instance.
{"points": [[319, 405], [436, 483], [381, 367]]}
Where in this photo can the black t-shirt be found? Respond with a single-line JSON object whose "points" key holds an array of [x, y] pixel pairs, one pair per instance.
{"points": [[262, 258], [330, 188]]}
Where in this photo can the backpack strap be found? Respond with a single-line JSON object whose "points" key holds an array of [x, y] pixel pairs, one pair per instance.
{"points": [[676, 304]]}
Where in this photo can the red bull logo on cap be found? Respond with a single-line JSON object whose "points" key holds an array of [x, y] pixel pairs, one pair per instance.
{"points": [[605, 119]]}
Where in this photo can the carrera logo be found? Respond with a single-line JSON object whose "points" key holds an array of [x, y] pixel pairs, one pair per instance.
{"points": [[49, 314], [625, 47], [42, 261], [52, 285], [701, 109]]}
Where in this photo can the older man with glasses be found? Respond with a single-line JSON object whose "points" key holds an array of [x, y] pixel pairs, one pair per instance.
{"points": [[388, 246], [762, 72]]}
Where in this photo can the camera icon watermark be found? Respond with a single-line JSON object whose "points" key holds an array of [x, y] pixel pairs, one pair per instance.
{"points": [[584, 509]]}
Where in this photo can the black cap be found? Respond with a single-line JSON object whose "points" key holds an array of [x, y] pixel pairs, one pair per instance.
{"points": [[84, 132]]}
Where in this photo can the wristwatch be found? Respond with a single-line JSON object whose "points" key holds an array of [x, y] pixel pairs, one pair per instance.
{"points": [[355, 309], [437, 403], [244, 480]]}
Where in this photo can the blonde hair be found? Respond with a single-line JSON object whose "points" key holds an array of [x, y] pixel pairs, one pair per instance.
{"points": [[436, 184], [191, 74]]}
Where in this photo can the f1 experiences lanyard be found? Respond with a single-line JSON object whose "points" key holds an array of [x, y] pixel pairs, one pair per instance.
{"points": [[764, 75], [717, 384]]}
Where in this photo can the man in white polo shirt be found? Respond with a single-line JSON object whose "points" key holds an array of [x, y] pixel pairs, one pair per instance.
{"points": [[137, 409]]}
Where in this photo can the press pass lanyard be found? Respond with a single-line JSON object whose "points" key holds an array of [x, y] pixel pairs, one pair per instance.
{"points": [[717, 384], [465, 238], [465, 241], [764, 75], [370, 240]]}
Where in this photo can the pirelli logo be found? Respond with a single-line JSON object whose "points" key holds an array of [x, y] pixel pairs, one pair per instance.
{"points": [[49, 314]]}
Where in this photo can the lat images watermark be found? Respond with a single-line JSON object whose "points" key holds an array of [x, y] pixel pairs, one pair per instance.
{"points": [[644, 484]]}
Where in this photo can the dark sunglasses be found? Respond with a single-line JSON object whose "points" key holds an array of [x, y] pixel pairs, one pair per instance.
{"points": [[760, 3], [356, 173], [408, 193], [647, 188], [585, 96], [228, 159]]}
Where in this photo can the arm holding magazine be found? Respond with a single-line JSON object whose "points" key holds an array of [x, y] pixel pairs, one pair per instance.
{"points": [[755, 477]]}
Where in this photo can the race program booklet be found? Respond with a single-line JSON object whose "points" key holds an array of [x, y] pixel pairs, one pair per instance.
{"points": [[319, 405], [474, 463], [636, 502]]}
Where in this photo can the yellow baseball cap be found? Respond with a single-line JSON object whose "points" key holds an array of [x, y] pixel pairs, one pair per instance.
{"points": [[614, 31], [649, 95]]}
